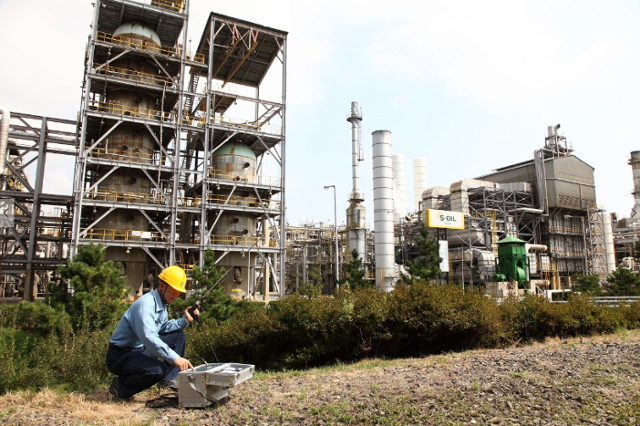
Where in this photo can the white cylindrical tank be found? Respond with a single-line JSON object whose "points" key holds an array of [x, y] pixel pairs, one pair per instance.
{"points": [[383, 210], [399, 188], [609, 248], [419, 180]]}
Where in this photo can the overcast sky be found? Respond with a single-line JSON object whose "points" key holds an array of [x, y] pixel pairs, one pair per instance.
{"points": [[469, 85]]}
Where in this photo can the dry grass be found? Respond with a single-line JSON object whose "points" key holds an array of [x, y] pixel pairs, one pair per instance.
{"points": [[560, 382]]}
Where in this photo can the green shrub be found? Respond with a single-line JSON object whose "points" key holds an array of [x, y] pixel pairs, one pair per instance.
{"points": [[40, 318], [34, 361], [370, 310], [426, 319], [530, 318]]}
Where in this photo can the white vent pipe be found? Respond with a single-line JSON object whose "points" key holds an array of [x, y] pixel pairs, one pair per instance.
{"points": [[4, 136], [419, 180], [356, 147], [399, 188], [383, 210], [634, 162], [609, 248]]}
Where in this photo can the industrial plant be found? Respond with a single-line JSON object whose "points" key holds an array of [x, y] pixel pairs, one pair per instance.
{"points": [[178, 152]]}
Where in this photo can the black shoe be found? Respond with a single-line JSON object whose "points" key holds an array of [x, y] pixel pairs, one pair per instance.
{"points": [[169, 384], [113, 390]]}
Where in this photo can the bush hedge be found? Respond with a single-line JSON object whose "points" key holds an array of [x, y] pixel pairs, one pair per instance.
{"points": [[297, 332], [40, 346]]}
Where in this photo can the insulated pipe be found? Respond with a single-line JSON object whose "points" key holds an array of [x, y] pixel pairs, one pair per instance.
{"points": [[399, 188], [4, 136], [536, 247], [419, 180], [383, 210]]}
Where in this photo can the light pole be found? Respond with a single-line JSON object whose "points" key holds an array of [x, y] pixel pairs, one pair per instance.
{"points": [[335, 222]]}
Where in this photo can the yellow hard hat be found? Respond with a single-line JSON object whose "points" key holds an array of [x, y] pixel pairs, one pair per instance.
{"points": [[175, 277]]}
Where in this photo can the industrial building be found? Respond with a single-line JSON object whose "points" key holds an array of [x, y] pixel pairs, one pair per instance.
{"points": [[178, 152], [549, 202]]}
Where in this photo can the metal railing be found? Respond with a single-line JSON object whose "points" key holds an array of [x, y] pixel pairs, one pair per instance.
{"points": [[117, 108], [233, 240], [133, 155], [147, 45], [122, 235], [130, 74], [122, 197], [234, 177], [615, 300], [242, 201], [175, 5]]}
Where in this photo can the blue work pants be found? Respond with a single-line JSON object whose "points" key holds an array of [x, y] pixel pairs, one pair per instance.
{"points": [[137, 369]]}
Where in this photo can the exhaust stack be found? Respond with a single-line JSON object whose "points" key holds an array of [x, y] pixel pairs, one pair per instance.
{"points": [[386, 273], [356, 211], [419, 180]]}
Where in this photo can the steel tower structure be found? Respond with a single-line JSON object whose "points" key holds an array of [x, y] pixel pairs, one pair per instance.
{"points": [[176, 147]]}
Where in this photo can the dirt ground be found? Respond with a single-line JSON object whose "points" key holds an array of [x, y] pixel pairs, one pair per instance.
{"points": [[577, 381]]}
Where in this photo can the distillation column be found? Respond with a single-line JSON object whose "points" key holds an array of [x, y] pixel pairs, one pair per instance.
{"points": [[356, 212], [129, 143]]}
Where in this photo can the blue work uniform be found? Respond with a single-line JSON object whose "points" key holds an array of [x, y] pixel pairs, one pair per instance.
{"points": [[144, 345]]}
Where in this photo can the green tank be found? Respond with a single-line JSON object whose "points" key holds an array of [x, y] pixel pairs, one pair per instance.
{"points": [[512, 262]]}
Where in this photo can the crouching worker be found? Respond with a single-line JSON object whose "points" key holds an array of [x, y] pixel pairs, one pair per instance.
{"points": [[146, 347]]}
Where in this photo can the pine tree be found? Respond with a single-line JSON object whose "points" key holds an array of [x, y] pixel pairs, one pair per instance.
{"points": [[354, 273], [425, 266], [623, 282], [217, 304], [589, 284], [96, 299]]}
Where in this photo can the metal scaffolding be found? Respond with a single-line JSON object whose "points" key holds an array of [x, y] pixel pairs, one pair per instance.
{"points": [[175, 145], [36, 240]]}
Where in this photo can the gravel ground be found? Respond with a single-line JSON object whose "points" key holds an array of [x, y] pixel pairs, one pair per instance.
{"points": [[578, 381]]}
